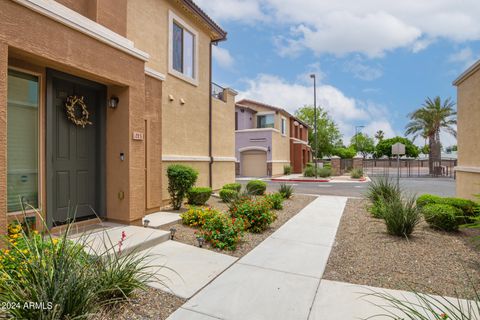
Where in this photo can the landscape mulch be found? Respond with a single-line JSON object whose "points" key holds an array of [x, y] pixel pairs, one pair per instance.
{"points": [[431, 261], [150, 304]]}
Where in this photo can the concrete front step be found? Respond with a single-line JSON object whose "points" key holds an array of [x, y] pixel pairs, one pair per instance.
{"points": [[160, 219], [106, 237]]}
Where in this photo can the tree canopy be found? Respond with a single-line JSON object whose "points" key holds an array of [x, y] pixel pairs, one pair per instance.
{"points": [[384, 147], [328, 134], [362, 143]]}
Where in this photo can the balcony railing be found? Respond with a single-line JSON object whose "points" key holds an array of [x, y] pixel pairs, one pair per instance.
{"points": [[217, 91]]}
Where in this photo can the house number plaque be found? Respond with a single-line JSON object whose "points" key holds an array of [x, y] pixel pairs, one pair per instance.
{"points": [[138, 136]]}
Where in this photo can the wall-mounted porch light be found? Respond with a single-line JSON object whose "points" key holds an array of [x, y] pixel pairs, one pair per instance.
{"points": [[113, 102]]}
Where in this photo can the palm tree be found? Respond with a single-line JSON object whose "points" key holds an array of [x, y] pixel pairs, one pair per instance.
{"points": [[379, 135], [429, 120]]}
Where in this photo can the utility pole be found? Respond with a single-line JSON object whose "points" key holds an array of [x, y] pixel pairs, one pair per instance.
{"points": [[315, 121]]}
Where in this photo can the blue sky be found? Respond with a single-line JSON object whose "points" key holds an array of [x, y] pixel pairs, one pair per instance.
{"points": [[376, 60]]}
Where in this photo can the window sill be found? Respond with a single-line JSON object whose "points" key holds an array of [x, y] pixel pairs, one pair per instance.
{"points": [[181, 76]]}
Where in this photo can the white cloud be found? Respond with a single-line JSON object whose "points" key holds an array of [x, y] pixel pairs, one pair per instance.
{"points": [[361, 70], [370, 27], [465, 56], [222, 56], [347, 112], [237, 10]]}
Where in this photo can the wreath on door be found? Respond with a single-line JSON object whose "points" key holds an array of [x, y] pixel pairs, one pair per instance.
{"points": [[80, 117]]}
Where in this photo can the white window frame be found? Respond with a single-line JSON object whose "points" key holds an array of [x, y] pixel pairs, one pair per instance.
{"points": [[172, 17], [283, 126], [259, 114]]}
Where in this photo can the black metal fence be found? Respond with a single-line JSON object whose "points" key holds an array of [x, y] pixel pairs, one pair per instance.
{"points": [[409, 168]]}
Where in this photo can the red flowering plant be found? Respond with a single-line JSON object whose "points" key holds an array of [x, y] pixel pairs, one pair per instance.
{"points": [[222, 231], [256, 212]]}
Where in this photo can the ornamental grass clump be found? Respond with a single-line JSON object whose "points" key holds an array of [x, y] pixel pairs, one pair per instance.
{"points": [[256, 213], [233, 186], [286, 190], [379, 191], [228, 195], [66, 278], [180, 179], [356, 173], [401, 216]]}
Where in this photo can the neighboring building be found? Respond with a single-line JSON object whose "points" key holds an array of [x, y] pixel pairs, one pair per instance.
{"points": [[179, 38], [267, 138], [143, 105], [468, 132]]}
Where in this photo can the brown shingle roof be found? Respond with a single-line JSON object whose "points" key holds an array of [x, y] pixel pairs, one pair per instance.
{"points": [[243, 101], [221, 34]]}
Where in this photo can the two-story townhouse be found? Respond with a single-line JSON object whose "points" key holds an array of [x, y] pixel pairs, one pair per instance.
{"points": [[197, 115], [268, 138], [82, 126]]}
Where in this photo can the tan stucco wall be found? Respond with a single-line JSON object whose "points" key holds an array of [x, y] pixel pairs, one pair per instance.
{"points": [[468, 185], [3, 136], [468, 135], [185, 126], [223, 173], [44, 42]]}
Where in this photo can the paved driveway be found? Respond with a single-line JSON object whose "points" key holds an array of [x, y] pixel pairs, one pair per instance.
{"points": [[438, 186]]}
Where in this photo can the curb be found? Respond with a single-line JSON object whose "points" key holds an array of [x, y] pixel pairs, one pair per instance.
{"points": [[300, 180]]}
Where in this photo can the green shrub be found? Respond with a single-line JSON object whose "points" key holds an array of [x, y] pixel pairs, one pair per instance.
{"points": [[180, 179], [321, 172], [286, 190], [469, 208], [233, 186], [327, 165], [199, 195], [222, 231], [324, 172], [309, 171], [381, 190], [276, 200], [425, 199], [443, 216], [356, 173], [256, 187], [227, 195], [287, 169], [255, 212], [197, 216], [400, 216]]}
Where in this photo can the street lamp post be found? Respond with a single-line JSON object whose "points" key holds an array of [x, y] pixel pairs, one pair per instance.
{"points": [[315, 121], [356, 135]]}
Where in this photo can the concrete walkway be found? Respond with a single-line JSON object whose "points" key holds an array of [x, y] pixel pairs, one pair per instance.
{"points": [[281, 279], [278, 279]]}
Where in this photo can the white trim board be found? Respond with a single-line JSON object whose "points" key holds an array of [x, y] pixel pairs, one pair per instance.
{"points": [[278, 161], [76, 21], [181, 158], [154, 74], [253, 148], [468, 169], [257, 129]]}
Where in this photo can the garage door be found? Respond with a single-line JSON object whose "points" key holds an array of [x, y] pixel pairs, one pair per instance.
{"points": [[254, 163]]}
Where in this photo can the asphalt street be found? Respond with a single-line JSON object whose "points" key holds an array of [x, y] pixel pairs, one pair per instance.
{"points": [[418, 186]]}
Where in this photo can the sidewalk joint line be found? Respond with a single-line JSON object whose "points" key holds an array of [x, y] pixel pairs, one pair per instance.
{"points": [[281, 271]]}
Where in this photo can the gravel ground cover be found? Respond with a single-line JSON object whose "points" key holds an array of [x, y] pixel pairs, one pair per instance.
{"points": [[430, 261], [249, 241], [149, 304]]}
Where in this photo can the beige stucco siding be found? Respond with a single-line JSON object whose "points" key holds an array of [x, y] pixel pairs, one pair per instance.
{"points": [[468, 138]]}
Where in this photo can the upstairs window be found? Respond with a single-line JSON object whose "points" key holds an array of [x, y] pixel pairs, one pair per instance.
{"points": [[284, 126], [265, 121], [183, 49]]}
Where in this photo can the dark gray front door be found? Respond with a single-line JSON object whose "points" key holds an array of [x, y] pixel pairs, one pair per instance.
{"points": [[74, 154]]}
